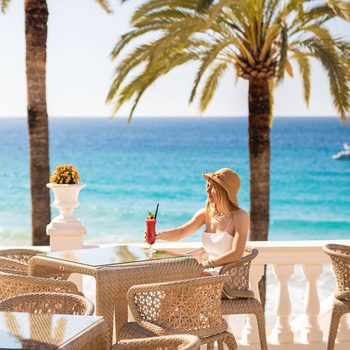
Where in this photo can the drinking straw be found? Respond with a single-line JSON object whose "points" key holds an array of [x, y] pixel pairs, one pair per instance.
{"points": [[155, 215]]}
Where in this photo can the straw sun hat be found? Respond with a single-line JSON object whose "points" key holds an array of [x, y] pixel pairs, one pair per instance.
{"points": [[228, 180]]}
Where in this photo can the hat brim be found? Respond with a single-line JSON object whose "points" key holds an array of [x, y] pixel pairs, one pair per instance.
{"points": [[231, 195]]}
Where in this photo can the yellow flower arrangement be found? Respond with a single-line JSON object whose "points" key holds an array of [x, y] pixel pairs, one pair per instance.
{"points": [[65, 174]]}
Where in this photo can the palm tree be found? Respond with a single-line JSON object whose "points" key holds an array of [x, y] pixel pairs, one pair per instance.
{"points": [[259, 39], [36, 18]]}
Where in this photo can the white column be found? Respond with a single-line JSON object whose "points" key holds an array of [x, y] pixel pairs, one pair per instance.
{"points": [[311, 331], [250, 334], [282, 332]]}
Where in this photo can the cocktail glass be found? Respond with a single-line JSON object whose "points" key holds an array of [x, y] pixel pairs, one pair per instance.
{"points": [[150, 234]]}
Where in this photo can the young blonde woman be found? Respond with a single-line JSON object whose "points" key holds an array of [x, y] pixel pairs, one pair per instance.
{"points": [[226, 224]]}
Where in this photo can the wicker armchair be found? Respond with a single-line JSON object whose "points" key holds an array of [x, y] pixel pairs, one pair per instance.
{"points": [[240, 299], [178, 342], [17, 258], [340, 257], [49, 303], [182, 307], [14, 284]]}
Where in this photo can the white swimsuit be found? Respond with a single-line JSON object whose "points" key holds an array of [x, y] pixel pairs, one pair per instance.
{"points": [[216, 244]]}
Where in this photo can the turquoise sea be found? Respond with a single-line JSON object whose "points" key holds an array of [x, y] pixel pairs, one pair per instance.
{"points": [[128, 169]]}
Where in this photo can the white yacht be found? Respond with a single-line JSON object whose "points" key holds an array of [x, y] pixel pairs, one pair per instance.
{"points": [[344, 153]]}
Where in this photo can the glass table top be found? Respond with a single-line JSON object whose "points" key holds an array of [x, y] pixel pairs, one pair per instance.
{"points": [[109, 256], [21, 330]]}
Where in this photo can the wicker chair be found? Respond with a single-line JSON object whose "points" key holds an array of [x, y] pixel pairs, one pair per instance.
{"points": [[49, 303], [178, 342], [240, 299], [17, 258], [15, 284], [182, 307], [340, 257]]}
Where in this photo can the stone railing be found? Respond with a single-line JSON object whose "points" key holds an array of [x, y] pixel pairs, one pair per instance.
{"points": [[297, 271]]}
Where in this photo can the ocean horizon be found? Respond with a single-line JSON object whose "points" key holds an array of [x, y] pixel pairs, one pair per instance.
{"points": [[128, 169]]}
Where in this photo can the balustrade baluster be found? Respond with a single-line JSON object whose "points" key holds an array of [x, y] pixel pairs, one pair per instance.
{"points": [[250, 334], [282, 332], [311, 332]]}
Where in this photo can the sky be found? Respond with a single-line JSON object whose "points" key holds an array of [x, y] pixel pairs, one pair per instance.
{"points": [[79, 70]]}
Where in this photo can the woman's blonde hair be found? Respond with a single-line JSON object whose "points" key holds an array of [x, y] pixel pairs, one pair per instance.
{"points": [[226, 206]]}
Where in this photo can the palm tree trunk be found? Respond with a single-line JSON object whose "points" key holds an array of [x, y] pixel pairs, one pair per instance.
{"points": [[259, 157], [36, 17]]}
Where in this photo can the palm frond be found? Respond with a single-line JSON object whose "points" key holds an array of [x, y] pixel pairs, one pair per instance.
{"points": [[105, 5], [207, 59], [283, 53], [270, 37], [337, 73], [340, 8], [128, 37], [269, 13], [289, 69], [130, 62], [204, 5], [150, 74], [211, 85], [156, 5], [169, 16], [4, 5], [305, 71]]}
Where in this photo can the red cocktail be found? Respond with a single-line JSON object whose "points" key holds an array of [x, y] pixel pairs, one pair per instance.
{"points": [[150, 233]]}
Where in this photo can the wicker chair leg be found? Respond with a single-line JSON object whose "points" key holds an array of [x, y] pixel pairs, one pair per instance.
{"points": [[210, 346], [220, 345], [230, 341], [261, 326], [333, 329]]}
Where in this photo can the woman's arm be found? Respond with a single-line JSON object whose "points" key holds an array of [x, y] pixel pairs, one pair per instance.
{"points": [[185, 230], [238, 243]]}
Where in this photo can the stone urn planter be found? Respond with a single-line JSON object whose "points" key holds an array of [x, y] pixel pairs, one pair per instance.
{"points": [[66, 200], [65, 230]]}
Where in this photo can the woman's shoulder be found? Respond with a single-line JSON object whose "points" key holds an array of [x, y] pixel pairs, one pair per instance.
{"points": [[241, 214], [200, 214]]}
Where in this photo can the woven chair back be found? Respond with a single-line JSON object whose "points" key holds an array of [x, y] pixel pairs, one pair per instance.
{"points": [[238, 272], [340, 258], [189, 306], [17, 258], [15, 284], [49, 303], [22, 255], [12, 271]]}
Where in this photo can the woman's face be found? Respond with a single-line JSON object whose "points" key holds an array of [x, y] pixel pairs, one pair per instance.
{"points": [[211, 192]]}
